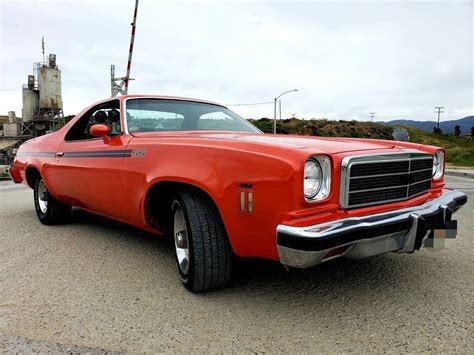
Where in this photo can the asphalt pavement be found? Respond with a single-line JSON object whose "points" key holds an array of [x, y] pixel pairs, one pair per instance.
{"points": [[95, 285], [460, 172]]}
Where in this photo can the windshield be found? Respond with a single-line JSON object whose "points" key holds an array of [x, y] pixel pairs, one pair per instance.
{"points": [[157, 115]]}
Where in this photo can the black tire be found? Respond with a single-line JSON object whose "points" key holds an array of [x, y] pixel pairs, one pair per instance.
{"points": [[210, 253], [55, 211]]}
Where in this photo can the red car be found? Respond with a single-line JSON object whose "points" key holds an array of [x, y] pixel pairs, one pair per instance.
{"points": [[195, 170]]}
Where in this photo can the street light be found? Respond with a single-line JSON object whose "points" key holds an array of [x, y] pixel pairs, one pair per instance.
{"points": [[275, 109]]}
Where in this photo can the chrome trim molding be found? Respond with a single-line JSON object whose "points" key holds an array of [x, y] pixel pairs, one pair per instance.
{"points": [[380, 175], [124, 114]]}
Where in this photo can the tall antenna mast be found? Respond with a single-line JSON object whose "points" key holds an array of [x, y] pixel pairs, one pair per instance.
{"points": [[130, 52], [42, 46], [120, 85]]}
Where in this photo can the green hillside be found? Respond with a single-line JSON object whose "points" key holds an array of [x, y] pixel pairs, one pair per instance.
{"points": [[460, 151], [326, 128]]}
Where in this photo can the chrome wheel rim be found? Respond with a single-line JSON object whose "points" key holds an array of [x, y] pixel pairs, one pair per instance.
{"points": [[181, 242], [42, 196]]}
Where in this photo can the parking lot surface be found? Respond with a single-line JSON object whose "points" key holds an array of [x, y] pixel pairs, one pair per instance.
{"points": [[96, 285]]}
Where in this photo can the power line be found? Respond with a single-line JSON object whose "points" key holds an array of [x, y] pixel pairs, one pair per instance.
{"points": [[251, 104], [402, 113], [439, 108]]}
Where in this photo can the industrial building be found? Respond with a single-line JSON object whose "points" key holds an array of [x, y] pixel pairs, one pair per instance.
{"points": [[42, 110]]}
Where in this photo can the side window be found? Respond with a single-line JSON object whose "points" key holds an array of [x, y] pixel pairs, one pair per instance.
{"points": [[107, 113]]}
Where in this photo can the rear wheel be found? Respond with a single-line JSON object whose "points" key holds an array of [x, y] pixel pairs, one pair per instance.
{"points": [[203, 252], [49, 210]]}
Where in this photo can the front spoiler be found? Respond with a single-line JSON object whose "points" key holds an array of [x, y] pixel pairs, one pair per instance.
{"points": [[403, 230]]}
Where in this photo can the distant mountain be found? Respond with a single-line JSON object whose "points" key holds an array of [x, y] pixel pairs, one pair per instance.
{"points": [[446, 126]]}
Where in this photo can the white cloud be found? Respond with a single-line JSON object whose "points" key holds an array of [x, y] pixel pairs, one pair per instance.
{"points": [[346, 58]]}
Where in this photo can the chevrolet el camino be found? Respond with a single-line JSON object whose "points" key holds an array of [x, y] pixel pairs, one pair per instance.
{"points": [[221, 188]]}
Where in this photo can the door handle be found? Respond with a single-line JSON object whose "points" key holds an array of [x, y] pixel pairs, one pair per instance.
{"points": [[59, 154]]}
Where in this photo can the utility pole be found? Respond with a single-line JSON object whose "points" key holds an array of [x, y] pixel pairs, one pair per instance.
{"points": [[439, 108], [372, 115]]}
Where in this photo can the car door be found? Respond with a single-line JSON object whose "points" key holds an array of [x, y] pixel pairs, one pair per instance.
{"points": [[88, 170]]}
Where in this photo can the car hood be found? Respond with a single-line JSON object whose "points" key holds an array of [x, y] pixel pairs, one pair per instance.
{"points": [[327, 145]]}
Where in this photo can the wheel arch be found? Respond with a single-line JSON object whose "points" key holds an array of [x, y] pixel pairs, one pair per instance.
{"points": [[32, 173], [158, 199]]}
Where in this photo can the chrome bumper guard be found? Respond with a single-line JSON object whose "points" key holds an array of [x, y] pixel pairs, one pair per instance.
{"points": [[404, 230]]}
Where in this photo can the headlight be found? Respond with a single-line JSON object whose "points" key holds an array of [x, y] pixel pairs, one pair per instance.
{"points": [[312, 178], [438, 165], [317, 178]]}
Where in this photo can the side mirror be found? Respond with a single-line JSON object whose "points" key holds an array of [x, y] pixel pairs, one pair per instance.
{"points": [[100, 130]]}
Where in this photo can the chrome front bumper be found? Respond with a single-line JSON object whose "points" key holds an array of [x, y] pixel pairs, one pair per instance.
{"points": [[404, 230]]}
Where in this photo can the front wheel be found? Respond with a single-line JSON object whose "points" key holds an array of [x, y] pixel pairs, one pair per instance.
{"points": [[49, 210], [203, 252]]}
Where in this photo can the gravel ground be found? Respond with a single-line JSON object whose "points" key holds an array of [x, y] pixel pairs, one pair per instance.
{"points": [[95, 285]]}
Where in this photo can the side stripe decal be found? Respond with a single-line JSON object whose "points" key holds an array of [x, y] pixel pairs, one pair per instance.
{"points": [[117, 153], [99, 154], [36, 154]]}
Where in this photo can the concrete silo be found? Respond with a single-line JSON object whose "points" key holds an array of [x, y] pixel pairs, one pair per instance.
{"points": [[42, 110], [49, 84], [30, 100]]}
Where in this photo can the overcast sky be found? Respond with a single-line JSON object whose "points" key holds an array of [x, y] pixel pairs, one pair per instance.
{"points": [[347, 58]]}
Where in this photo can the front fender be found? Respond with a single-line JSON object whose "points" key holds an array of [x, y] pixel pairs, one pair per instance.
{"points": [[223, 174]]}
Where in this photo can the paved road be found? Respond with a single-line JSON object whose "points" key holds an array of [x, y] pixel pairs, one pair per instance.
{"points": [[94, 285]]}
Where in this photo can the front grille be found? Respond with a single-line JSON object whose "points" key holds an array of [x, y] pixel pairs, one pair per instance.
{"points": [[376, 179]]}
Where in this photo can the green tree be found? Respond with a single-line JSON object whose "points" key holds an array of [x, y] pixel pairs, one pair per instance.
{"points": [[68, 118], [457, 131]]}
